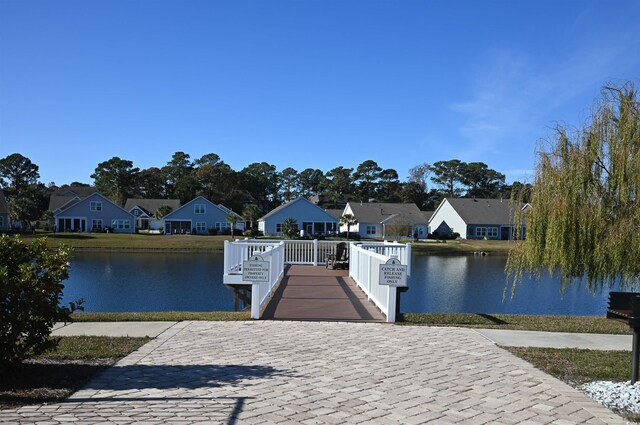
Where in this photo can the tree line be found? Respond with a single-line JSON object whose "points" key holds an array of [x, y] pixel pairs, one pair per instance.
{"points": [[258, 185]]}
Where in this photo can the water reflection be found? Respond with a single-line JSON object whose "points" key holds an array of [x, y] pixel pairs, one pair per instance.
{"points": [[193, 282], [148, 282], [473, 284]]}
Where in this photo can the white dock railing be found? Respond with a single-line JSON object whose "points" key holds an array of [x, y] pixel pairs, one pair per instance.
{"points": [[261, 291], [364, 269], [364, 263]]}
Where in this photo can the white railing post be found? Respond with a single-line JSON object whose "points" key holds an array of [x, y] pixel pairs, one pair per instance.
{"points": [[315, 252], [255, 301], [391, 303], [227, 255]]}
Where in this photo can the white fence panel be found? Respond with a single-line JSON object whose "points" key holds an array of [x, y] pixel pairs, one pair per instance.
{"points": [[261, 291]]}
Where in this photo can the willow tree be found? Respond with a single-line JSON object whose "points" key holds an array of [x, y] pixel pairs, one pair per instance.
{"points": [[585, 215]]}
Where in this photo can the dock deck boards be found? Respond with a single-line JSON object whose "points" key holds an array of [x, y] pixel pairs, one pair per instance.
{"points": [[315, 293]]}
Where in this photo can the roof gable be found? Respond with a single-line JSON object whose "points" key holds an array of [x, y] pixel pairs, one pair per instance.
{"points": [[198, 199], [96, 195], [306, 203], [483, 210], [378, 212], [151, 206]]}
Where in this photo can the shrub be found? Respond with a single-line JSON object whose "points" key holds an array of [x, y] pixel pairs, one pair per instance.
{"points": [[354, 236], [31, 287], [213, 231], [253, 233]]}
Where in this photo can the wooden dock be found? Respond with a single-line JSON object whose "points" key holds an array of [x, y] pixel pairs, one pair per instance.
{"points": [[317, 294]]}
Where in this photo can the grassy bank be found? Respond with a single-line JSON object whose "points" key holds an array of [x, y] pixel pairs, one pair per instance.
{"points": [[573, 324], [462, 247], [168, 316], [142, 241], [53, 376]]}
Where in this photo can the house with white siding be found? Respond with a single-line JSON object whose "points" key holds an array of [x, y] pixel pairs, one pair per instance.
{"points": [[94, 213], [382, 220], [474, 218], [311, 219], [201, 216]]}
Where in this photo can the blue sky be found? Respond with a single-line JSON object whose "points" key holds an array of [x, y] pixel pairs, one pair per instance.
{"points": [[303, 83]]}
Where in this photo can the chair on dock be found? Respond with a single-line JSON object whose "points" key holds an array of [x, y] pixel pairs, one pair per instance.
{"points": [[340, 259]]}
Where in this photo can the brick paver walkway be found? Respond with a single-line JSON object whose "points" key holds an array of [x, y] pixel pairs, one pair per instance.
{"points": [[310, 373]]}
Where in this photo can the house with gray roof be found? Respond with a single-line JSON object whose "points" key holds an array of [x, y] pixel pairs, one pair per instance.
{"points": [[382, 220], [94, 213], [312, 219], [146, 211], [65, 196], [4, 213], [201, 216], [474, 218]]}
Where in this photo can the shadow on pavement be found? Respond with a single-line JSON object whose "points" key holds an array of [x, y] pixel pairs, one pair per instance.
{"points": [[179, 376]]}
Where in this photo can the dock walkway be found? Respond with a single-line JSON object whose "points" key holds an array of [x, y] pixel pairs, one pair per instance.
{"points": [[317, 294]]}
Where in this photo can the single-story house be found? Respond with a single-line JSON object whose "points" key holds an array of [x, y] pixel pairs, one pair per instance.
{"points": [[94, 213], [311, 219], [4, 213], [146, 211], [199, 216], [475, 218], [382, 220]]}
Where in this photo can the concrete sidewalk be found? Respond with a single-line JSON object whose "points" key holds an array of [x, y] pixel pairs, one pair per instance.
{"points": [[508, 338]]}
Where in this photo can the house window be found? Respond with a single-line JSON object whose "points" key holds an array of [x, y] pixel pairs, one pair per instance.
{"points": [[96, 206], [199, 208], [278, 227], [136, 212], [201, 226], [1, 221], [371, 229], [481, 232], [492, 232], [96, 224], [120, 224], [225, 225]]}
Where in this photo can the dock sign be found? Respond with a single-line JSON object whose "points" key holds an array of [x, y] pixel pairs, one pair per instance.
{"points": [[393, 273], [255, 270]]}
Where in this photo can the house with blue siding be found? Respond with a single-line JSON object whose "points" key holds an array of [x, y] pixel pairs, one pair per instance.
{"points": [[94, 213], [310, 218], [146, 211], [198, 216], [475, 218], [4, 213]]}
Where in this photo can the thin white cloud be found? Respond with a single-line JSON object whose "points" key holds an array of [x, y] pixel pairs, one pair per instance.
{"points": [[516, 96]]}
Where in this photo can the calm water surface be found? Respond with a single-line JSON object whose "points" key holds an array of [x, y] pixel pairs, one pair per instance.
{"points": [[193, 282]]}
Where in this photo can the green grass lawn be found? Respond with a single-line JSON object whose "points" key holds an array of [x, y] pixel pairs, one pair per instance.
{"points": [[462, 246], [53, 376], [572, 324], [141, 241]]}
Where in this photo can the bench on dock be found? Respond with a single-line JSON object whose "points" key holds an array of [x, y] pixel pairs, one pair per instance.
{"points": [[339, 260], [625, 307]]}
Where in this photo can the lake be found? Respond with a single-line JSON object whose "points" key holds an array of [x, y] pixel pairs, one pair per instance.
{"points": [[119, 282]]}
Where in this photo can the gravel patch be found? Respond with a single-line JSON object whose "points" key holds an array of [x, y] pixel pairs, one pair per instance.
{"points": [[620, 396]]}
